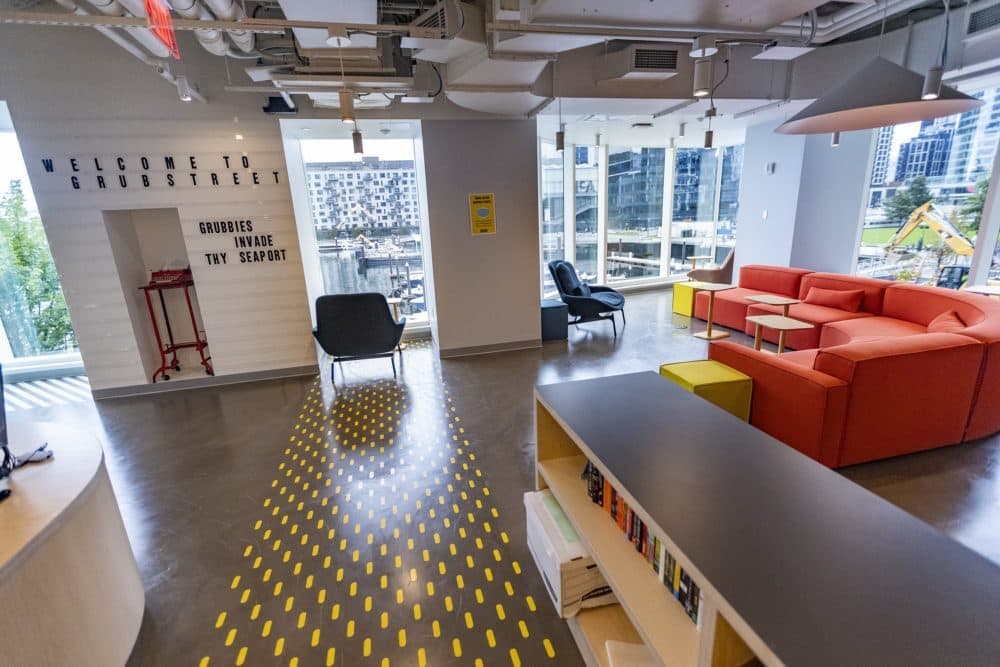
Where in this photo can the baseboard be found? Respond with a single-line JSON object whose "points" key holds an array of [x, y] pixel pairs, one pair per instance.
{"points": [[489, 349], [202, 383]]}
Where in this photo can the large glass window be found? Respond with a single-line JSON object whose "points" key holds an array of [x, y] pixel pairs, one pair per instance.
{"points": [[635, 212], [706, 202], [552, 211], [366, 215], [33, 314], [926, 195], [587, 168]]}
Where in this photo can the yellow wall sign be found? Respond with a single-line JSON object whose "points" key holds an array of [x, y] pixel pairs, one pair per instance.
{"points": [[482, 214]]}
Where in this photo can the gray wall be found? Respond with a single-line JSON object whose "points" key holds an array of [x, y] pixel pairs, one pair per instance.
{"points": [[485, 287]]}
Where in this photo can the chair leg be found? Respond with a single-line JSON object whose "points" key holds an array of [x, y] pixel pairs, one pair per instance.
{"points": [[614, 328], [333, 374], [393, 360], [623, 318]]}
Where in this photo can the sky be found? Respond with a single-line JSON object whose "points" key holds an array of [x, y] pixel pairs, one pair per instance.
{"points": [[342, 150], [12, 168]]}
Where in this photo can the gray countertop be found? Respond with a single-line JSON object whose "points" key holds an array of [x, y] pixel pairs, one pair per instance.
{"points": [[824, 571]]}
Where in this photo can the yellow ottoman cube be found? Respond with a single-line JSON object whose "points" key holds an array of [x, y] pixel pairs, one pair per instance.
{"points": [[725, 387], [684, 297]]}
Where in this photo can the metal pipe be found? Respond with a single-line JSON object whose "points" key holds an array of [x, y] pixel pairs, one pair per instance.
{"points": [[211, 40], [142, 35], [228, 10]]}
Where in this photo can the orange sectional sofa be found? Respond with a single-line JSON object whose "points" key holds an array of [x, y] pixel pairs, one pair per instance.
{"points": [[912, 368]]}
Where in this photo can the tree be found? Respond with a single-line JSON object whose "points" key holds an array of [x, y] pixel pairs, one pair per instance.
{"points": [[972, 210], [32, 283], [902, 204]]}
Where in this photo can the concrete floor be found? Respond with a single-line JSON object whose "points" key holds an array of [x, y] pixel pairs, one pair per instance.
{"points": [[278, 524]]}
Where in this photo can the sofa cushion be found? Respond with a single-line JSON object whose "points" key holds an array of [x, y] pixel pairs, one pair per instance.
{"points": [[920, 304], [583, 289], [874, 289], [772, 279], [848, 331], [948, 322], [730, 307], [849, 300], [804, 358], [805, 312], [905, 394]]}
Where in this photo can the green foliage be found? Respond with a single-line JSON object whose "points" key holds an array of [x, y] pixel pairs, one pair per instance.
{"points": [[32, 281], [972, 210], [906, 275], [902, 204]]}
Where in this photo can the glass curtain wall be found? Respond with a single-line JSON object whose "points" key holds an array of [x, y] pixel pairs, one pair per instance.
{"points": [[635, 212], [553, 211], [35, 325], [585, 210], [926, 194], [687, 199], [366, 215]]}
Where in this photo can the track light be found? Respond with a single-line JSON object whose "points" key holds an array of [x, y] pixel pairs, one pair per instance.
{"points": [[561, 139], [359, 146], [835, 139], [336, 35], [709, 135], [183, 88], [347, 106], [703, 47], [932, 83], [702, 77]]}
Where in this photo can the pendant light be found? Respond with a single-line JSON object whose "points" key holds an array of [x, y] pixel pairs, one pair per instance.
{"points": [[347, 107], [359, 146], [881, 94], [835, 139], [702, 77], [561, 133], [932, 80]]}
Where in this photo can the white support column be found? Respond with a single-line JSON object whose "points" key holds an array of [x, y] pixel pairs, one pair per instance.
{"points": [[602, 213], [989, 228], [718, 200], [670, 159], [569, 203]]}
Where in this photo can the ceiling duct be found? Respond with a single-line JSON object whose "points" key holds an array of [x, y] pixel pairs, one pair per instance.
{"points": [[638, 62], [464, 25]]}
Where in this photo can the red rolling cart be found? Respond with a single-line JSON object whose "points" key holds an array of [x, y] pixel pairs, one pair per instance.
{"points": [[160, 282]]}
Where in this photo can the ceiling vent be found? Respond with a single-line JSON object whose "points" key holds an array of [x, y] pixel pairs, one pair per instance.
{"points": [[638, 62], [984, 19], [463, 27]]}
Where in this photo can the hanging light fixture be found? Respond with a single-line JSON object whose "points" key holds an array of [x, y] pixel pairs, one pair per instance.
{"points": [[359, 146], [835, 139], [561, 133], [702, 77], [183, 88], [347, 106], [881, 94], [703, 47], [932, 80], [709, 135]]}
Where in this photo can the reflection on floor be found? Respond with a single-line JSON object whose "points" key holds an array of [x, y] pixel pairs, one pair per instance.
{"points": [[46, 393], [242, 542]]}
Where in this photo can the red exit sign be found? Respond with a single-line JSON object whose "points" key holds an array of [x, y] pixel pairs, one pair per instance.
{"points": [[162, 25]]}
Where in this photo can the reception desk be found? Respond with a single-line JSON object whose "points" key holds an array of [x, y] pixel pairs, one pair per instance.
{"points": [[70, 591], [795, 564]]}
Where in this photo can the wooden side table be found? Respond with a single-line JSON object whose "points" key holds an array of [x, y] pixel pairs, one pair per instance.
{"points": [[780, 323], [711, 288], [774, 300]]}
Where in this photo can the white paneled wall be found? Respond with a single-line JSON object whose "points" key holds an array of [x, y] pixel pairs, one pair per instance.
{"points": [[256, 316]]}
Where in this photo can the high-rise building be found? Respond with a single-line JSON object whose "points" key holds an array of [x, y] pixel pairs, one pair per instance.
{"points": [[635, 188], [372, 193], [883, 151], [927, 153]]}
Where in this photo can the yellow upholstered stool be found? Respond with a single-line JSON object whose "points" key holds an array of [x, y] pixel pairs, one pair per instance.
{"points": [[684, 297], [727, 388]]}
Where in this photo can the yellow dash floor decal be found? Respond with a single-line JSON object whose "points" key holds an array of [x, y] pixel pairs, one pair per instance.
{"points": [[378, 543]]}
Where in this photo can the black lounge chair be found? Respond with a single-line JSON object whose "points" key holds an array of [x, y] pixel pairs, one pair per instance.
{"points": [[357, 326], [587, 303]]}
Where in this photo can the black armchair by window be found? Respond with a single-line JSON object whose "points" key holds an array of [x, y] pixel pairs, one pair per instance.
{"points": [[356, 326], [587, 303]]}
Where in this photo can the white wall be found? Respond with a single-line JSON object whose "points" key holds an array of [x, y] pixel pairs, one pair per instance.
{"points": [[485, 287], [255, 316], [766, 219], [831, 201]]}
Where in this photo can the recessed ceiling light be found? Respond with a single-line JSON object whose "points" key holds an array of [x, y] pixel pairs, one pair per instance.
{"points": [[238, 137]]}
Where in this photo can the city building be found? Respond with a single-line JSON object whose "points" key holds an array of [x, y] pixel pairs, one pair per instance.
{"points": [[370, 194], [288, 379]]}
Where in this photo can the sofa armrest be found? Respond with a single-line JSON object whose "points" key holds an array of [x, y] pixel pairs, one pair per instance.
{"points": [[802, 407]]}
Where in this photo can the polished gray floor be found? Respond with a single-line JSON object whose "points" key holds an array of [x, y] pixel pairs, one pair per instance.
{"points": [[225, 496]]}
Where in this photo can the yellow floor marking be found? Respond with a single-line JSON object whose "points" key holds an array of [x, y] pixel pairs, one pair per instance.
{"points": [[350, 628], [241, 657], [368, 603], [416, 612], [335, 612], [501, 614], [479, 662], [266, 630], [515, 659], [549, 651], [302, 620], [448, 603], [456, 647], [314, 640], [331, 656], [531, 602], [468, 620], [491, 639], [289, 603], [279, 646], [255, 612], [479, 596], [402, 638], [436, 629], [524, 628], [294, 662], [367, 647], [421, 658], [204, 662], [231, 637], [517, 568], [220, 620], [384, 620]]}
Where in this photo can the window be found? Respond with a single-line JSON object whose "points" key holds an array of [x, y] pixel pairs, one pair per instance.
{"points": [[943, 164], [369, 239], [635, 212], [552, 211], [586, 210], [34, 320]]}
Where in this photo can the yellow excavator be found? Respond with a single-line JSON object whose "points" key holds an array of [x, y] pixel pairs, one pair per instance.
{"points": [[938, 222]]}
